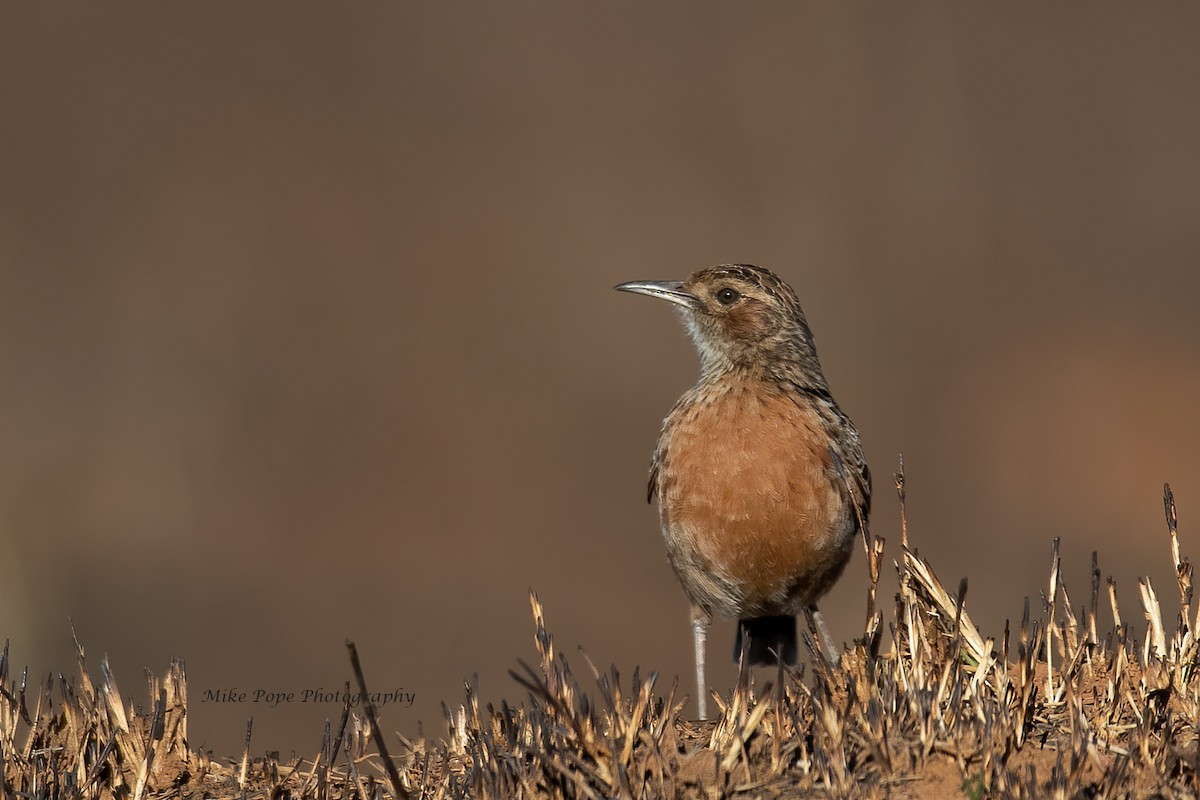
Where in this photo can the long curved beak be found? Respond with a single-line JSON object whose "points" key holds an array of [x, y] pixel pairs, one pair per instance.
{"points": [[671, 291]]}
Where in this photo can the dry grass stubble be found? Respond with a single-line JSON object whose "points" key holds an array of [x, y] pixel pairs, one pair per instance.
{"points": [[925, 706]]}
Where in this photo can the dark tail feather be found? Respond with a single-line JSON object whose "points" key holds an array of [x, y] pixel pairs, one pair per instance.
{"points": [[767, 634]]}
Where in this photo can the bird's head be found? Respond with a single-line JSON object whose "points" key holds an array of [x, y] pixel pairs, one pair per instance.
{"points": [[739, 315]]}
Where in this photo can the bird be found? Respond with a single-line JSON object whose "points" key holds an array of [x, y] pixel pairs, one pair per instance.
{"points": [[761, 480]]}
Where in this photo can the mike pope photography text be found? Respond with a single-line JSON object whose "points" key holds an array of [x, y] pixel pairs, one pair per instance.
{"points": [[273, 697]]}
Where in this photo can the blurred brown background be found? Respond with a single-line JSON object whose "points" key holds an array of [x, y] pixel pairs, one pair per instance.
{"points": [[307, 329]]}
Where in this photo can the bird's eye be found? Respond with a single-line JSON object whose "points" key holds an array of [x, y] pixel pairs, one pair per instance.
{"points": [[728, 296]]}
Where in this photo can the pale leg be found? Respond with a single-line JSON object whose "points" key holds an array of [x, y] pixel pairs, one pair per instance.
{"points": [[700, 621], [832, 653]]}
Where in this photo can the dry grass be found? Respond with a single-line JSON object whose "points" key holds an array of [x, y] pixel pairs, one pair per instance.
{"points": [[922, 705]]}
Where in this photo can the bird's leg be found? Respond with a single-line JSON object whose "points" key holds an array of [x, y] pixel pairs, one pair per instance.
{"points": [[700, 620], [831, 651]]}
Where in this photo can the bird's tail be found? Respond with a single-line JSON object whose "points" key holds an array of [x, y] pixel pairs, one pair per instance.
{"points": [[768, 636]]}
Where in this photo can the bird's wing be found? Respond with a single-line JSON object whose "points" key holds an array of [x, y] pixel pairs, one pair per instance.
{"points": [[846, 453], [858, 474]]}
